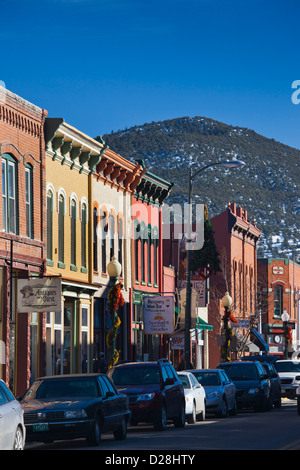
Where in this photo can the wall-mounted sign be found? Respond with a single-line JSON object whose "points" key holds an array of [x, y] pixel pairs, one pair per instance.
{"points": [[158, 315], [278, 270], [39, 295]]}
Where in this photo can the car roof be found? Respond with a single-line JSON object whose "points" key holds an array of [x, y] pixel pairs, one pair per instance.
{"points": [[68, 376], [137, 364]]}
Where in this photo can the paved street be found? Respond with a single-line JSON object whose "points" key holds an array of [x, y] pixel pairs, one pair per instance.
{"points": [[275, 430]]}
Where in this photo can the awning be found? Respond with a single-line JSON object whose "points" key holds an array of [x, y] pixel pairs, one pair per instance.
{"points": [[257, 339], [202, 325]]}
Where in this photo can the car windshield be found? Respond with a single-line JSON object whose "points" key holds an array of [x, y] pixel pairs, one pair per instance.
{"points": [[241, 371], [184, 380], [62, 388], [288, 366], [207, 378], [136, 375]]}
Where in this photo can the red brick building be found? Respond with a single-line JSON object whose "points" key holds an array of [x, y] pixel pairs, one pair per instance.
{"points": [[22, 233], [279, 290], [236, 241]]}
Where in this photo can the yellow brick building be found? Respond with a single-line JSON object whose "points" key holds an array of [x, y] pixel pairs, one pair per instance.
{"points": [[71, 159]]}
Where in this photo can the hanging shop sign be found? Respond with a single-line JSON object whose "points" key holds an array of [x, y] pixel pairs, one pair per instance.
{"points": [[158, 315], [39, 295], [177, 341]]}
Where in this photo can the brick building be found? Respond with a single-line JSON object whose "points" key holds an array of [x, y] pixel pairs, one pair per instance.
{"points": [[279, 290], [236, 241], [23, 233]]}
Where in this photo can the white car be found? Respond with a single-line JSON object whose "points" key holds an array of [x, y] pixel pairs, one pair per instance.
{"points": [[289, 374], [194, 397], [12, 428]]}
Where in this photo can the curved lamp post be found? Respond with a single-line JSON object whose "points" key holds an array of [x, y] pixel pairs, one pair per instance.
{"points": [[115, 300], [187, 340]]}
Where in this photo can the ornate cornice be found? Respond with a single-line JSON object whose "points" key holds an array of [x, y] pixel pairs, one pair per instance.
{"points": [[72, 147]]}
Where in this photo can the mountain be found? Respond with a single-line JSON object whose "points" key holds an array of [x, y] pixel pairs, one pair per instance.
{"points": [[267, 186]]}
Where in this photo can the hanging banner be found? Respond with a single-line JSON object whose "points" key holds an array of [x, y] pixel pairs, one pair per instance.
{"points": [[39, 295], [158, 315]]}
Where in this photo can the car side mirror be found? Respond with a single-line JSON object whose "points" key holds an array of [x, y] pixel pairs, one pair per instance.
{"points": [[169, 381], [109, 394]]}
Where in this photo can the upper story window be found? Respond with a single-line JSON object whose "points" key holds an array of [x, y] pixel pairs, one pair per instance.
{"points": [[278, 300], [29, 201], [50, 204], [83, 235], [9, 193], [73, 232]]}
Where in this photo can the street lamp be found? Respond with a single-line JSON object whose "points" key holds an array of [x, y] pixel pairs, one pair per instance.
{"points": [[114, 301], [187, 340], [227, 302], [285, 318]]}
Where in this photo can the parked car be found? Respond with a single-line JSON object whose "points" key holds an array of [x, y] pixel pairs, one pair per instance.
{"points": [[12, 429], [220, 391], [275, 383], [289, 374], [74, 406], [261, 358], [194, 397], [268, 362], [251, 382], [298, 400], [155, 392]]}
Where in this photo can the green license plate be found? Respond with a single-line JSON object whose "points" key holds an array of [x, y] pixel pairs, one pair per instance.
{"points": [[40, 427]]}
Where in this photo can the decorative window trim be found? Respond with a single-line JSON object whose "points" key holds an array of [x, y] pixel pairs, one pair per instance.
{"points": [[62, 192], [73, 197]]}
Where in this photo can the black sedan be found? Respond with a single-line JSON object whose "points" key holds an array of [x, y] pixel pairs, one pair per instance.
{"points": [[74, 406]]}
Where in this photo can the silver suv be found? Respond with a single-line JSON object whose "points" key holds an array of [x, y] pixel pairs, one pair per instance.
{"points": [[289, 374]]}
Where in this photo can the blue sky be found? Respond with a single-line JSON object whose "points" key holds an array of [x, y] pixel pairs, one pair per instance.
{"points": [[105, 65]]}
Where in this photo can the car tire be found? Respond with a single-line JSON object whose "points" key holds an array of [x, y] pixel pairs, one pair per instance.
{"points": [[202, 415], [298, 406], [121, 433], [18, 440], [160, 424], [94, 438], [191, 419], [179, 421], [234, 410], [224, 409]]}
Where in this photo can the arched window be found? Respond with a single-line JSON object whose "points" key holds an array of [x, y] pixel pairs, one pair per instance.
{"points": [[83, 235], [136, 248], [120, 243], [73, 232], [95, 238], [149, 250], [111, 236], [61, 229], [278, 300], [9, 193], [50, 205], [29, 200], [155, 256], [143, 239], [104, 229]]}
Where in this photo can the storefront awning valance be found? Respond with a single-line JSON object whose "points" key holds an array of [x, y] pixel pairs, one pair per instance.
{"points": [[202, 325]]}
